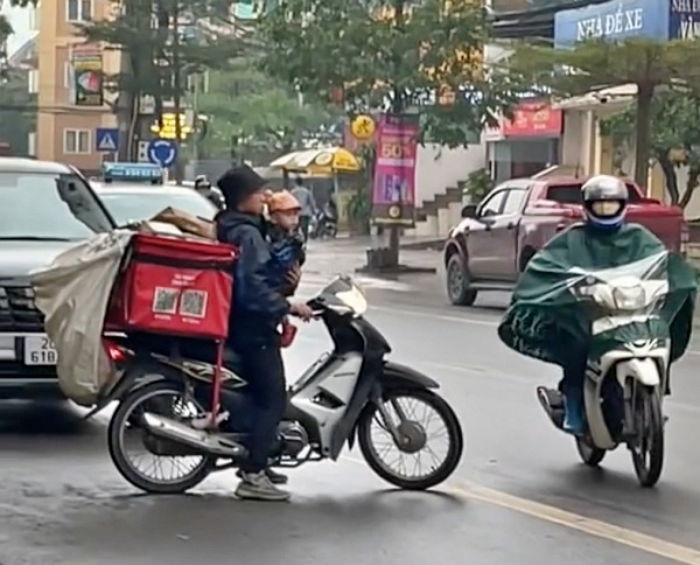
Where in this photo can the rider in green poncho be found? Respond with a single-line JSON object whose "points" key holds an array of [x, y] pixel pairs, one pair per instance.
{"points": [[546, 320]]}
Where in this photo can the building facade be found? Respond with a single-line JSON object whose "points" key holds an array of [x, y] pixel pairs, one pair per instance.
{"points": [[71, 99]]}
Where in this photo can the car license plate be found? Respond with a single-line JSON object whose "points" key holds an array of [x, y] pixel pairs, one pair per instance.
{"points": [[39, 350]]}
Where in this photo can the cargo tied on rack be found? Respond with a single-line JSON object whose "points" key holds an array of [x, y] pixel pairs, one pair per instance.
{"points": [[157, 281], [174, 286]]}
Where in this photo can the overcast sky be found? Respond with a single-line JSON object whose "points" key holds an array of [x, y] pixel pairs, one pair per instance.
{"points": [[19, 18]]}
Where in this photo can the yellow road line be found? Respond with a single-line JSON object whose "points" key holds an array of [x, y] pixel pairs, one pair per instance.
{"points": [[625, 536], [571, 520]]}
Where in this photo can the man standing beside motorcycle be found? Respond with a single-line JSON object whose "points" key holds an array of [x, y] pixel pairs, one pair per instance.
{"points": [[546, 321], [258, 309], [308, 206]]}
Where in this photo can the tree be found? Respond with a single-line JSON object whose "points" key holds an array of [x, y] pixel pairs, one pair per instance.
{"points": [[593, 65], [5, 27], [246, 106], [392, 55], [17, 112], [674, 139], [162, 43], [5, 32]]}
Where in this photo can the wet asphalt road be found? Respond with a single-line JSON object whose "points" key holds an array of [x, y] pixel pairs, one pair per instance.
{"points": [[520, 495]]}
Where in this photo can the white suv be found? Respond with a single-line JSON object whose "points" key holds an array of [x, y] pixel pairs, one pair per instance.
{"points": [[44, 209]]}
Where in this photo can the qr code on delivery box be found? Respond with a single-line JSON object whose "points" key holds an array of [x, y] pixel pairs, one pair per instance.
{"points": [[193, 303], [165, 300]]}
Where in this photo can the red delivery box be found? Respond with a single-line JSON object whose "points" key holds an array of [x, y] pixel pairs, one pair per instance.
{"points": [[174, 286]]}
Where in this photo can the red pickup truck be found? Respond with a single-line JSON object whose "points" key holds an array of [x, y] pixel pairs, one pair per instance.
{"points": [[490, 247]]}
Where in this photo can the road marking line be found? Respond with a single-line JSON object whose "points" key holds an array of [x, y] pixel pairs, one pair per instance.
{"points": [[596, 528], [590, 526], [456, 319]]}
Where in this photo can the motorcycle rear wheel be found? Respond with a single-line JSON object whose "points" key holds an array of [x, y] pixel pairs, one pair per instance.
{"points": [[381, 467], [648, 448], [123, 419]]}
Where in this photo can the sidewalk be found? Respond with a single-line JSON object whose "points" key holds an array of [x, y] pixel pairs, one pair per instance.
{"points": [[346, 255], [343, 256]]}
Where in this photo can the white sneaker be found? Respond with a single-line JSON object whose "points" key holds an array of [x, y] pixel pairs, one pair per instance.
{"points": [[258, 486]]}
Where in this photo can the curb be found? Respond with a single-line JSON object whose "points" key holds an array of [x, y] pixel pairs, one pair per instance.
{"points": [[432, 244], [394, 271]]}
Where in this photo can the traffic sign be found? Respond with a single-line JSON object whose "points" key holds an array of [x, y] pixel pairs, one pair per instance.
{"points": [[162, 152], [363, 127], [107, 139]]}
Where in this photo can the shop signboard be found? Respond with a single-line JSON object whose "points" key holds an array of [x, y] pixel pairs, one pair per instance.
{"points": [[684, 19], [394, 191], [622, 19], [534, 119], [87, 73]]}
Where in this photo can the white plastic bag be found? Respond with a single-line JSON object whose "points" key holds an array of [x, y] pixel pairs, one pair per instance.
{"points": [[73, 294]]}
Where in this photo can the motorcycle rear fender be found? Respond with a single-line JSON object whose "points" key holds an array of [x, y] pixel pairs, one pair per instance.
{"points": [[133, 377], [397, 376]]}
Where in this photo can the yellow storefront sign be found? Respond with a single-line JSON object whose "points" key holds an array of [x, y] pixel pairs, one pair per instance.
{"points": [[363, 127], [169, 127]]}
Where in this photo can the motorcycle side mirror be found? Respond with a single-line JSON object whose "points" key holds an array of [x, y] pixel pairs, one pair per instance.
{"points": [[469, 211]]}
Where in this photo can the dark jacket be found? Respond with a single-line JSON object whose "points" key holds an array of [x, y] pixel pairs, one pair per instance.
{"points": [[287, 252], [258, 307]]}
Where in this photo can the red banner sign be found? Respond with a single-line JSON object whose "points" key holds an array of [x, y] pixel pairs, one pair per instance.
{"points": [[534, 119], [394, 193]]}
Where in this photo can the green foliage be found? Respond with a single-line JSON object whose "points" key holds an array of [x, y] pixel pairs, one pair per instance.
{"points": [[400, 63], [479, 184], [598, 64], [245, 103], [5, 27], [158, 59], [675, 138], [17, 112], [360, 207]]}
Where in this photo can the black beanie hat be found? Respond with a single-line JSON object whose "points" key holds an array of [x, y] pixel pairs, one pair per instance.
{"points": [[236, 184]]}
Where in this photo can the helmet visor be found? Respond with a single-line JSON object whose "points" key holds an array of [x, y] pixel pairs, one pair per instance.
{"points": [[606, 208]]}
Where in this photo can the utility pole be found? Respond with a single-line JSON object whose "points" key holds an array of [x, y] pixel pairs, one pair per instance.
{"points": [[195, 135], [179, 172], [398, 109]]}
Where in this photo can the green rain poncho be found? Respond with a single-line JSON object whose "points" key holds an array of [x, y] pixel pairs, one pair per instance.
{"points": [[550, 315]]}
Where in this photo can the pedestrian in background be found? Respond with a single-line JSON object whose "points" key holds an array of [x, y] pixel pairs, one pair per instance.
{"points": [[308, 206]]}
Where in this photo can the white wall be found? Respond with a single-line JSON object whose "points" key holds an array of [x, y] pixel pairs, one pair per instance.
{"points": [[439, 167]]}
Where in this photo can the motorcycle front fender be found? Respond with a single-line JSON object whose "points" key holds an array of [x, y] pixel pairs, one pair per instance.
{"points": [[644, 371], [401, 376]]}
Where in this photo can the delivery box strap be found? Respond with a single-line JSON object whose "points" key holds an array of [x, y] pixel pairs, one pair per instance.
{"points": [[184, 263]]}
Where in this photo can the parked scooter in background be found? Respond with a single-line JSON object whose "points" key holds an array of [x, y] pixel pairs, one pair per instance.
{"points": [[323, 226], [324, 223]]}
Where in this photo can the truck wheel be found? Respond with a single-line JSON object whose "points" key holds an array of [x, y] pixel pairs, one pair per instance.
{"points": [[458, 282]]}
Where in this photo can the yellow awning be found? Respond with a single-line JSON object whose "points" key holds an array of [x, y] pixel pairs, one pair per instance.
{"points": [[324, 161]]}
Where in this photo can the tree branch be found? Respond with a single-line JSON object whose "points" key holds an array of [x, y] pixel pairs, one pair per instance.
{"points": [[670, 175], [691, 185]]}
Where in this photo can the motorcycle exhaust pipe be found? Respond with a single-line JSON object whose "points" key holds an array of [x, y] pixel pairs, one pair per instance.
{"points": [[209, 443]]}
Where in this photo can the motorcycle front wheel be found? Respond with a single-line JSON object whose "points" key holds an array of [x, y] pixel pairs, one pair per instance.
{"points": [[430, 439], [648, 446], [591, 456], [169, 468]]}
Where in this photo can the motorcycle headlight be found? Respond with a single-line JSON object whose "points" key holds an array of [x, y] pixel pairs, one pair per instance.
{"points": [[629, 298]]}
